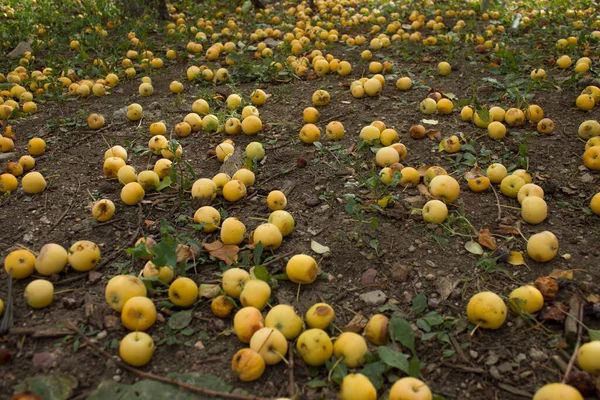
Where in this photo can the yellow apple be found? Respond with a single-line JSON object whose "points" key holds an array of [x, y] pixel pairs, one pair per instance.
{"points": [[357, 387], [21, 263], [302, 269], [248, 365], [377, 330], [121, 288], [352, 348], [542, 247], [256, 293], [52, 259], [511, 185], [283, 220], [183, 292], [284, 318], [315, 347], [534, 210], [270, 344], [136, 349], [84, 255], [246, 322], [487, 310], [139, 313], [276, 200], [445, 187], [557, 391], [39, 293], [410, 389], [527, 298], [588, 357], [435, 211]]}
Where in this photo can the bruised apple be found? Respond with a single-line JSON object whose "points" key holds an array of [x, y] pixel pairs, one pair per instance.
{"points": [[352, 348], [246, 322], [314, 346], [270, 344], [284, 318]]}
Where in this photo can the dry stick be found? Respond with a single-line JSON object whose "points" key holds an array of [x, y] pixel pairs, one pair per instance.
{"points": [[40, 332], [122, 365], [577, 344], [292, 385], [285, 172], [515, 391], [497, 203]]}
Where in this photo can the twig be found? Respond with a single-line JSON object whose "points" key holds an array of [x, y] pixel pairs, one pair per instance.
{"points": [[577, 344], [40, 332], [292, 385], [559, 363], [514, 390], [7, 320], [122, 365], [278, 258], [572, 329], [467, 369], [285, 172], [497, 203], [459, 349]]}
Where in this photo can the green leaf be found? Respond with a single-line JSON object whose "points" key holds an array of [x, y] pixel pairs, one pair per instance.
{"points": [[433, 318], [393, 358], [414, 367], [423, 325], [374, 371], [261, 272], [316, 384], [180, 320], [594, 334], [401, 331], [428, 336], [419, 304], [165, 183], [165, 254], [139, 251], [339, 372], [484, 114], [49, 387]]}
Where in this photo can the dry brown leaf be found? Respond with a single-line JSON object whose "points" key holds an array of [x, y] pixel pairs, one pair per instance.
{"points": [[562, 273], [444, 287], [223, 252], [186, 253], [508, 230], [423, 191], [434, 135], [149, 223], [486, 239], [357, 324], [556, 312]]}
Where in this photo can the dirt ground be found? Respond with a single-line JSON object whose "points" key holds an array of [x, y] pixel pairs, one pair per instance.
{"points": [[388, 249]]}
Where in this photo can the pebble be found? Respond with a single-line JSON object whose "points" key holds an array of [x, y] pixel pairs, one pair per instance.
{"points": [[374, 298], [412, 249], [313, 202], [400, 273], [430, 277], [102, 335], [368, 277], [430, 263], [495, 373], [117, 378], [537, 355], [473, 354]]}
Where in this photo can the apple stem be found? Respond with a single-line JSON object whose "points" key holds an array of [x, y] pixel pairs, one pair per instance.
{"points": [[258, 219], [28, 249], [511, 207], [298, 292], [474, 329], [336, 327], [333, 368], [281, 356]]}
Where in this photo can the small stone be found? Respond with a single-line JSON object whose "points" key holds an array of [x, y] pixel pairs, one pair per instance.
{"points": [[69, 303], [44, 360], [407, 297], [400, 273], [313, 202], [587, 178], [495, 373], [473, 354], [368, 278], [120, 114], [414, 202], [506, 367], [433, 302], [430, 277], [101, 335], [117, 378], [412, 249], [430, 263], [373, 298], [537, 355], [94, 276], [160, 318], [492, 358], [199, 345], [520, 357]]}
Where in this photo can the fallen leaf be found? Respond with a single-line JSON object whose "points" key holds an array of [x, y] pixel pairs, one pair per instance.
{"points": [[556, 312], [430, 121], [149, 223], [486, 239], [562, 273], [474, 247], [385, 201], [423, 191], [223, 252], [186, 253], [444, 287], [593, 298], [434, 135], [422, 169], [208, 291], [508, 230], [516, 258], [318, 247], [357, 324]]}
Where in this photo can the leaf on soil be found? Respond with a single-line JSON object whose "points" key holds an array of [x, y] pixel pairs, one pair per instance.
{"points": [[594, 334], [147, 388], [49, 387], [393, 358], [562, 273], [186, 253], [318, 247], [385, 201], [223, 252], [401, 331], [486, 239], [516, 258], [474, 247], [593, 298], [357, 324], [165, 254], [508, 230], [374, 371], [208, 291], [430, 121], [414, 367], [434, 135], [444, 287], [339, 372], [557, 312], [180, 320], [165, 183], [419, 304], [423, 191]]}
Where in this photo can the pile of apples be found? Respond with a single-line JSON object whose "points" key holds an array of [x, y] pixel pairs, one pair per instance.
{"points": [[52, 259], [33, 182]]}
